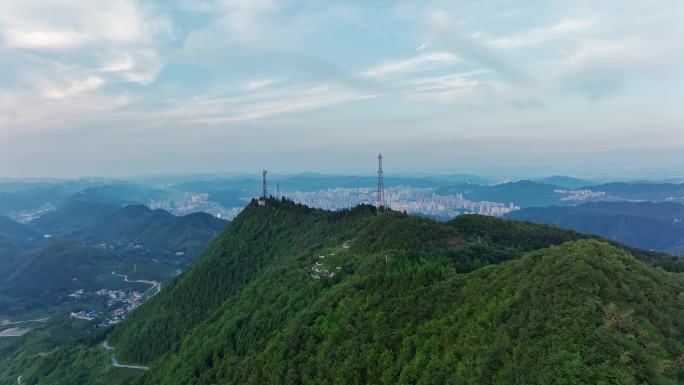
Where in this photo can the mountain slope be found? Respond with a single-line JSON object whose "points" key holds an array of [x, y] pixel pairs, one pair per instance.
{"points": [[45, 275], [293, 295]]}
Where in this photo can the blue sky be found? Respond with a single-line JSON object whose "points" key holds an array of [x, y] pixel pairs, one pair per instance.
{"points": [[501, 87]]}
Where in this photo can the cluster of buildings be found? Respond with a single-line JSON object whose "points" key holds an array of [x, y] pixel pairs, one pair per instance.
{"points": [[26, 216], [579, 195], [84, 315], [119, 303], [129, 299], [318, 270], [402, 198], [192, 203]]}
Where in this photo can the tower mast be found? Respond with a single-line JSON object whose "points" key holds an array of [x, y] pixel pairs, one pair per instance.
{"points": [[264, 194], [381, 183]]}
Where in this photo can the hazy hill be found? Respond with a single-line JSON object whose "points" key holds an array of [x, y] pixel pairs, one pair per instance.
{"points": [[94, 222], [642, 191], [524, 193], [41, 277], [566, 182], [35, 195], [73, 216], [27, 196], [473, 301], [120, 194], [15, 230], [61, 266], [15, 240], [35, 271], [657, 226]]}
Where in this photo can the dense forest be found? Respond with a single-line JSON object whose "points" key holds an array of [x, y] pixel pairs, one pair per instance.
{"points": [[293, 295]]}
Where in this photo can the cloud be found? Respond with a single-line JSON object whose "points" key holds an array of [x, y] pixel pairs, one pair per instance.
{"points": [[137, 69], [43, 39], [602, 67], [423, 62], [257, 84], [446, 89], [76, 87], [118, 62], [260, 105], [563, 29], [78, 46], [244, 19]]}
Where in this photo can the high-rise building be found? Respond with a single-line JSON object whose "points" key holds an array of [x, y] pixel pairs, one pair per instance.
{"points": [[381, 183]]}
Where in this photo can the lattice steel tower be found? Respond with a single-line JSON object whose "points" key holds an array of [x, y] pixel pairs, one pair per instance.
{"points": [[381, 183], [264, 194]]}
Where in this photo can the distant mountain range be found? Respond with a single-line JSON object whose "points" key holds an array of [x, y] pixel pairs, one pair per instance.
{"points": [[527, 193], [566, 182], [17, 196], [647, 225], [32, 196], [95, 222], [523, 193]]}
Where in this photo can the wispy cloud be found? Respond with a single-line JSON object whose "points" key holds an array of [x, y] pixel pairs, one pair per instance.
{"points": [[563, 29], [257, 84], [260, 105], [33, 39], [423, 62], [80, 46], [76, 87]]}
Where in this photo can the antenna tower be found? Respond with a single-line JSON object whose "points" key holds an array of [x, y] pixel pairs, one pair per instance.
{"points": [[381, 183], [264, 194], [278, 189]]}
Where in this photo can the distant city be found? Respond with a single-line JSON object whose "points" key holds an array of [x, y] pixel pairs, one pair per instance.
{"points": [[422, 201], [189, 203], [412, 200]]}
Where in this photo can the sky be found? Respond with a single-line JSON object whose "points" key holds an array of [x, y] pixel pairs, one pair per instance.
{"points": [[500, 87]]}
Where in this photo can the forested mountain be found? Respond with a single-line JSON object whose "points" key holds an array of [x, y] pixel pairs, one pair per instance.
{"points": [[292, 295], [648, 225], [16, 197], [61, 267], [83, 241], [25, 196], [96, 222], [11, 231]]}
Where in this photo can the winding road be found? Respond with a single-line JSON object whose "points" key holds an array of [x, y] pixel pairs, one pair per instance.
{"points": [[155, 284], [115, 362]]}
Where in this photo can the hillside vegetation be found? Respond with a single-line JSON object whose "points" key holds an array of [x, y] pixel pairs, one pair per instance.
{"points": [[292, 295]]}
